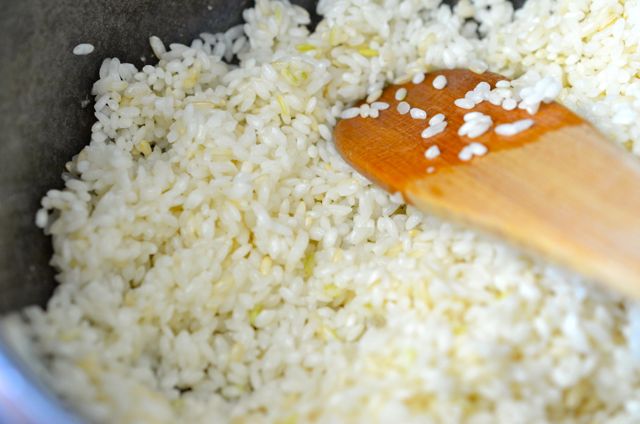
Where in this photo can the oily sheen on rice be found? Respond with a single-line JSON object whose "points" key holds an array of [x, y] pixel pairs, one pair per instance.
{"points": [[219, 262]]}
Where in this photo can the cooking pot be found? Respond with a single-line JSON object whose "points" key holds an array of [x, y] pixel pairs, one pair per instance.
{"points": [[45, 118]]}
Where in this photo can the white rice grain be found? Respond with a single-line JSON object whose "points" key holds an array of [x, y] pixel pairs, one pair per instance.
{"points": [[417, 113], [157, 46], [432, 152], [436, 119], [433, 130], [380, 105], [514, 127], [403, 108], [352, 112], [401, 94], [439, 82], [465, 103], [83, 49]]}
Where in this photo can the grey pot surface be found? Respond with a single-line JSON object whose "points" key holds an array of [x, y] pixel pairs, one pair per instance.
{"points": [[42, 123]]}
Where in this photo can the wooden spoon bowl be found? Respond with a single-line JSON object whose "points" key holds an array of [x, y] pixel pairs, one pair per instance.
{"points": [[559, 188]]}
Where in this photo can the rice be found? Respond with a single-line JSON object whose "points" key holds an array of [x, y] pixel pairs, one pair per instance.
{"points": [[432, 152], [219, 262], [475, 125], [401, 94], [418, 78], [83, 49], [509, 104], [472, 149], [434, 129], [439, 82], [417, 113], [465, 103], [403, 108], [437, 119], [380, 105], [437, 125], [514, 128], [352, 112]]}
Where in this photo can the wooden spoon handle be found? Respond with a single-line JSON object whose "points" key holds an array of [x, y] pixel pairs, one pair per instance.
{"points": [[570, 195]]}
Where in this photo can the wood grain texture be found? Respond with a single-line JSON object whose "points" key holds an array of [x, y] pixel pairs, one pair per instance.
{"points": [[559, 188]]}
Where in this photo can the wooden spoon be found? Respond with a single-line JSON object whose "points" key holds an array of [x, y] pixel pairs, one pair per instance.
{"points": [[559, 188]]}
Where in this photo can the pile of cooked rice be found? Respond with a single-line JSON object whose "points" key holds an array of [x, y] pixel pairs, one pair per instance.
{"points": [[219, 262]]}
